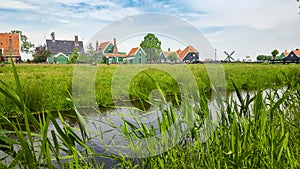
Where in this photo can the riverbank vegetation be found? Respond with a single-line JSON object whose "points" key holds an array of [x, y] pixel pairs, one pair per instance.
{"points": [[259, 130], [46, 86]]}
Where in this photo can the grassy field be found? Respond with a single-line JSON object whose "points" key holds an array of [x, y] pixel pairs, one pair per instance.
{"points": [[255, 131], [46, 86]]}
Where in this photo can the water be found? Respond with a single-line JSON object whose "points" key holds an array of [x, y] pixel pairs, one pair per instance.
{"points": [[104, 124]]}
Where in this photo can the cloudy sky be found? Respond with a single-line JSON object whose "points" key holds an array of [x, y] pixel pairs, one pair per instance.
{"points": [[248, 27]]}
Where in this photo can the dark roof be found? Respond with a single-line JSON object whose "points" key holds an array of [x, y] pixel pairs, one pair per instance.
{"points": [[64, 46]]}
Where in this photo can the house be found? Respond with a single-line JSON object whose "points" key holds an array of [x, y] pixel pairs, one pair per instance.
{"points": [[188, 55], [136, 56], [106, 47], [62, 48], [111, 53], [10, 44], [293, 57], [208, 60], [164, 56], [283, 55]]}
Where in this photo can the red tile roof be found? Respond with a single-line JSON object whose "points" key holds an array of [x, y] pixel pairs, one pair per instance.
{"points": [[286, 53], [182, 54], [4, 44], [133, 51], [297, 52], [103, 45]]}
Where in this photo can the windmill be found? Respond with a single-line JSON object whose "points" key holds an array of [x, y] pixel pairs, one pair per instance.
{"points": [[229, 56]]}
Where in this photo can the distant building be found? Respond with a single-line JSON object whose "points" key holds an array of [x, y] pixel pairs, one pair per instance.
{"points": [[164, 56], [136, 56], [62, 48], [10, 45], [110, 52], [208, 60], [293, 56], [188, 55], [282, 55]]}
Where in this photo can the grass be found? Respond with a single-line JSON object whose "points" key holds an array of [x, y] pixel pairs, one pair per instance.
{"points": [[255, 131], [45, 86]]}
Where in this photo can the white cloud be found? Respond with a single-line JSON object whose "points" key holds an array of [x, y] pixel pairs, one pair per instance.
{"points": [[17, 5], [112, 14]]}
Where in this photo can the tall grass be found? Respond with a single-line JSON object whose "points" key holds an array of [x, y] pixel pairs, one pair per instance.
{"points": [[259, 130], [45, 86], [265, 137], [26, 142]]}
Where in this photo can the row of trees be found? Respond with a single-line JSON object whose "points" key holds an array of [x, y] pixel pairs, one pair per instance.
{"points": [[273, 55]]}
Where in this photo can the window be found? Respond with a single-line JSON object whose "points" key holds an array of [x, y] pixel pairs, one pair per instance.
{"points": [[140, 57]]}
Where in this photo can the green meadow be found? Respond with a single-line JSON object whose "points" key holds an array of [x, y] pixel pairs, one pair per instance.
{"points": [[46, 87], [258, 130]]}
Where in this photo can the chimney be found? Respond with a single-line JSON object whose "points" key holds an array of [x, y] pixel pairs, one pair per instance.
{"points": [[115, 47], [53, 36], [169, 49], [97, 46], [76, 40]]}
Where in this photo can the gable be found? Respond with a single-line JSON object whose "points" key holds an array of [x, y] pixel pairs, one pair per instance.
{"points": [[103, 46], [60, 55], [109, 48], [189, 49], [133, 51], [292, 56], [297, 52]]}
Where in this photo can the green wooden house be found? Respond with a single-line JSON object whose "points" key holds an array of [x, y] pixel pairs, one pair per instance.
{"points": [[282, 56], [62, 49], [58, 58], [110, 53], [106, 47], [136, 56], [112, 58]]}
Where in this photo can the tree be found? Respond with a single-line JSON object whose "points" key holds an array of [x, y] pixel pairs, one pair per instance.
{"points": [[263, 57], [152, 47], [173, 57], [274, 53], [91, 56], [74, 56], [40, 54], [25, 44], [92, 53]]}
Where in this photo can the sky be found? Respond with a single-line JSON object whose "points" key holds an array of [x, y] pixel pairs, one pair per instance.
{"points": [[248, 27]]}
